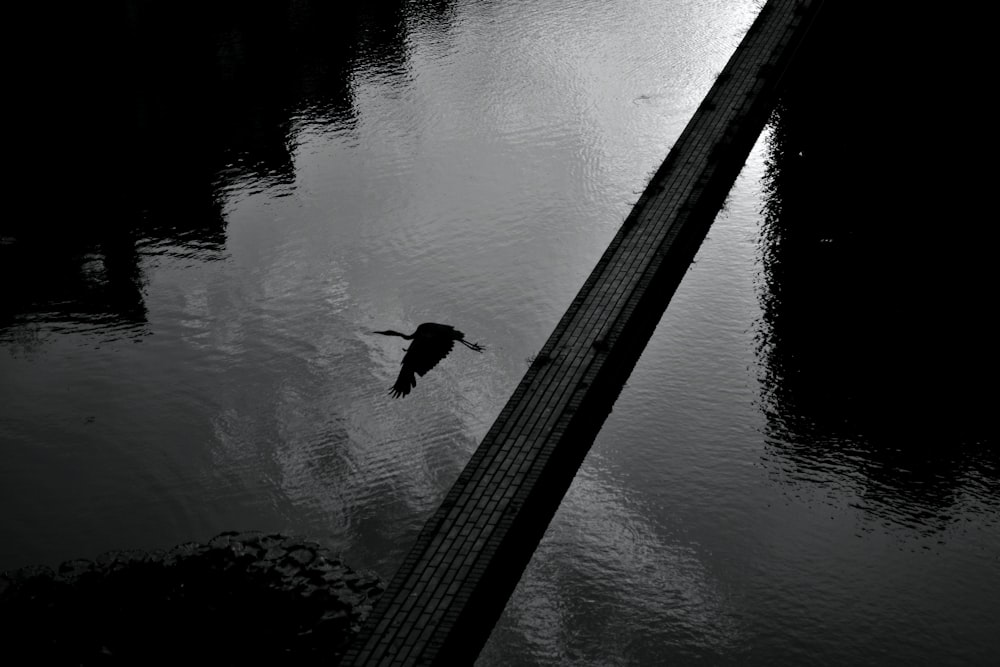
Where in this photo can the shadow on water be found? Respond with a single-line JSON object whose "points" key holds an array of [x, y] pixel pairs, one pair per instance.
{"points": [[134, 120], [874, 344]]}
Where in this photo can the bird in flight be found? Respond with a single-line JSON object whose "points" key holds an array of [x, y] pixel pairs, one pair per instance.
{"points": [[431, 343]]}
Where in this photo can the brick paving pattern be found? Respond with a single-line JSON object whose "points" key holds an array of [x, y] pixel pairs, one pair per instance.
{"points": [[444, 600]]}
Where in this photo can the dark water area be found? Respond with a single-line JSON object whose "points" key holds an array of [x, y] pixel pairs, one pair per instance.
{"points": [[217, 203], [242, 597], [145, 114], [877, 269], [877, 260]]}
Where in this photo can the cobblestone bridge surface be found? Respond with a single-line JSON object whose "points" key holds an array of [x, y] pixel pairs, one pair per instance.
{"points": [[444, 600]]}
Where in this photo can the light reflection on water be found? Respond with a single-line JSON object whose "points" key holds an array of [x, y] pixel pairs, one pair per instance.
{"points": [[201, 359]]}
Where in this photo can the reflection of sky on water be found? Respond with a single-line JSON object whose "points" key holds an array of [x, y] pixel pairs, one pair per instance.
{"points": [[608, 585]]}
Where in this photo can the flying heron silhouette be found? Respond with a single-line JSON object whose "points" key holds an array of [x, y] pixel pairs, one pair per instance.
{"points": [[431, 343]]}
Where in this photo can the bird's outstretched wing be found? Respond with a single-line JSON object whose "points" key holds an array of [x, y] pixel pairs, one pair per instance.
{"points": [[404, 383], [425, 353], [422, 355]]}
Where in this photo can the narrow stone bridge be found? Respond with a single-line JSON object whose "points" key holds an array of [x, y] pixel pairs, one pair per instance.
{"points": [[443, 602]]}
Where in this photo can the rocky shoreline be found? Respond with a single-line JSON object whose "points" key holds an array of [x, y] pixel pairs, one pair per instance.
{"points": [[242, 598]]}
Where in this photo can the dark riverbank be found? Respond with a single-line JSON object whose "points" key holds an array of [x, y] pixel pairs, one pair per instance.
{"points": [[242, 597]]}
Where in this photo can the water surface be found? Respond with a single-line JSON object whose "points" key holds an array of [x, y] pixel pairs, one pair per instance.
{"points": [[187, 346]]}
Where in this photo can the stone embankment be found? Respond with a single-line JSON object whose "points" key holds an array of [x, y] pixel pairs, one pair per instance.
{"points": [[242, 598]]}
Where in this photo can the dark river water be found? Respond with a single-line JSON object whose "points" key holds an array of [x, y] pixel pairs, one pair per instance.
{"points": [[215, 207]]}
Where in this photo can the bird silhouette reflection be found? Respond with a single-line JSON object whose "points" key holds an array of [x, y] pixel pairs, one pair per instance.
{"points": [[431, 343]]}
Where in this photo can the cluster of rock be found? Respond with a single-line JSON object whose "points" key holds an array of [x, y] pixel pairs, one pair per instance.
{"points": [[242, 598]]}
